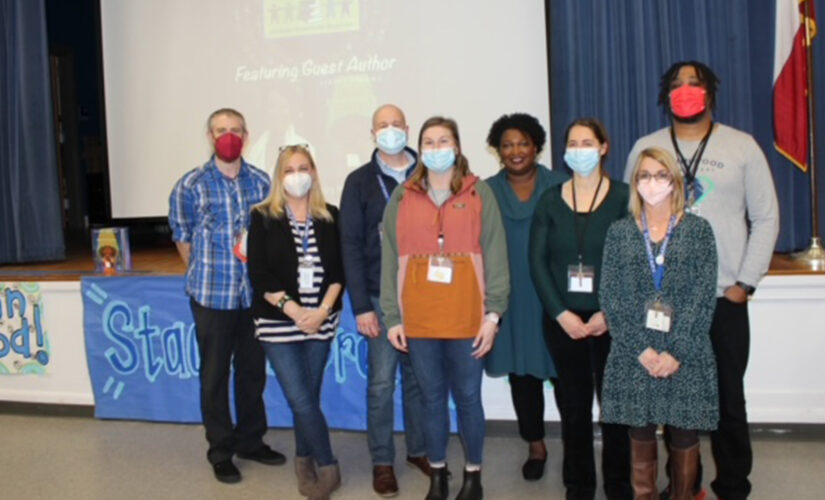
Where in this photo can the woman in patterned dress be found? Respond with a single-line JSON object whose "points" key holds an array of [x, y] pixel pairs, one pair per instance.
{"points": [[658, 290]]}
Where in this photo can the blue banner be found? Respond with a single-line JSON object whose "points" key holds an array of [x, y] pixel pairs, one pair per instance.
{"points": [[143, 357]]}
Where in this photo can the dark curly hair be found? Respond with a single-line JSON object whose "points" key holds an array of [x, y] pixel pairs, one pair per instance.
{"points": [[526, 124], [703, 72]]}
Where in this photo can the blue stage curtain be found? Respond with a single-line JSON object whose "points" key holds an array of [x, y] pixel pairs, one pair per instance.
{"points": [[31, 228], [607, 58]]}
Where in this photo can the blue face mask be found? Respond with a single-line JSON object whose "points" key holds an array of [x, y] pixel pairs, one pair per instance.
{"points": [[438, 160], [391, 140], [583, 161]]}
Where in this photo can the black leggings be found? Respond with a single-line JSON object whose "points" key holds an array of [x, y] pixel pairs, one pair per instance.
{"points": [[680, 439]]}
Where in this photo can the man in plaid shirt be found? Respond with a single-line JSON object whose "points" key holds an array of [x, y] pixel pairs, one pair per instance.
{"points": [[209, 215]]}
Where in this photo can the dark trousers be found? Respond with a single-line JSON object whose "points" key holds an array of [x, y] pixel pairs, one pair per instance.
{"points": [[731, 442], [527, 392], [580, 367], [227, 337]]}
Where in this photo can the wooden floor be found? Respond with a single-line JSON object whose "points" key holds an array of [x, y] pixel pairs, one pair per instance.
{"points": [[163, 260]]}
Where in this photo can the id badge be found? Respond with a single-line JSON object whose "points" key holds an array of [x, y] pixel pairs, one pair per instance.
{"points": [[306, 275], [580, 278], [658, 316], [440, 270], [240, 246], [694, 209]]}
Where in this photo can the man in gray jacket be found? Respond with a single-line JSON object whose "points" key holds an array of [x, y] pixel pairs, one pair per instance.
{"points": [[728, 182]]}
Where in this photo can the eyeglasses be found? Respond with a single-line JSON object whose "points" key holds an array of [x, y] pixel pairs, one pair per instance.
{"points": [[285, 146], [660, 176]]}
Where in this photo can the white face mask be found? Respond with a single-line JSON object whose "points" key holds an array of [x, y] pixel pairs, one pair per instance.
{"points": [[297, 184]]}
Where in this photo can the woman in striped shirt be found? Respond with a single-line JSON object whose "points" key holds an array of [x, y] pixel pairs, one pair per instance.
{"points": [[297, 277]]}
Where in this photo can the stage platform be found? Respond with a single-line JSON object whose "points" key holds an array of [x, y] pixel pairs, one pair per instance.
{"points": [[163, 260], [159, 260]]}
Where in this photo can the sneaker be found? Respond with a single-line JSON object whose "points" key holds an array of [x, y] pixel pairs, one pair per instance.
{"points": [[226, 472], [264, 455], [383, 481]]}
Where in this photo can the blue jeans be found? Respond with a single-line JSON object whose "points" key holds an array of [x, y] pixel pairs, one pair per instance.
{"points": [[442, 366], [383, 360], [299, 367]]}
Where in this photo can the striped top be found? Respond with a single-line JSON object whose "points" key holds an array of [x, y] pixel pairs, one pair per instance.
{"points": [[274, 330]]}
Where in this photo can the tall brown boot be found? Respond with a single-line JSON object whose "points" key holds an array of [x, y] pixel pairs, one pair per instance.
{"points": [[645, 466], [684, 463]]}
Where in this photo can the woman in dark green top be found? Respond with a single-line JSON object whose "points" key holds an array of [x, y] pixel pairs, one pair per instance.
{"points": [[519, 351], [566, 243]]}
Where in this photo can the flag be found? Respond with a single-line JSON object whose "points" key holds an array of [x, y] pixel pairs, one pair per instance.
{"points": [[790, 81]]}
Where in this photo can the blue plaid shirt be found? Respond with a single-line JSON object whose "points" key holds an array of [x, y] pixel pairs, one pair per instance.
{"points": [[209, 210]]}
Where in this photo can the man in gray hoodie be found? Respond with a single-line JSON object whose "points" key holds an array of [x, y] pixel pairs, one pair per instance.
{"points": [[728, 182]]}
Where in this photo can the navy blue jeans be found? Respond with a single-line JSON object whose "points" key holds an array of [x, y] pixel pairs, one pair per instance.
{"points": [[383, 361], [299, 367], [441, 367]]}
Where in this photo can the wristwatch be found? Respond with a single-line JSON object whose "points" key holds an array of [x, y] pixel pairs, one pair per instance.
{"points": [[493, 318], [747, 288], [281, 303]]}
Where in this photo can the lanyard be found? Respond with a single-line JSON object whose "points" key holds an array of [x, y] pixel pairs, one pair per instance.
{"points": [[305, 236], [581, 234], [657, 264], [692, 167], [383, 187], [440, 217]]}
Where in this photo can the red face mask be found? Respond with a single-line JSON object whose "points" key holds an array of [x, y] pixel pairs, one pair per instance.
{"points": [[687, 101], [228, 147]]}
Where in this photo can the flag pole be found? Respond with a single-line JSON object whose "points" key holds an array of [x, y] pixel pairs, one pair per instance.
{"points": [[814, 256]]}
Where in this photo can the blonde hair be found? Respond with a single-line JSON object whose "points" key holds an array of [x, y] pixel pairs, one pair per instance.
{"points": [[677, 197], [462, 166], [276, 200]]}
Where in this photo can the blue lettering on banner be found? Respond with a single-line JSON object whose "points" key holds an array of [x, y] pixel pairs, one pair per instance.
{"points": [[143, 357], [24, 344]]}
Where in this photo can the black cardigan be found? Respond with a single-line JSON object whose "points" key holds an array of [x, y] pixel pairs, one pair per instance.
{"points": [[273, 260]]}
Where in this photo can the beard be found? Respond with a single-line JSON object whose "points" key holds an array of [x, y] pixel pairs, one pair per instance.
{"points": [[689, 119]]}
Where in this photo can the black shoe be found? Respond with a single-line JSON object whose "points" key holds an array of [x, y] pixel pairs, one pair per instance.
{"points": [[226, 472], [471, 489], [439, 484], [264, 455], [533, 468]]}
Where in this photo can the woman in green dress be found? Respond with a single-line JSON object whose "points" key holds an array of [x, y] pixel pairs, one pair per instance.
{"points": [[658, 292], [566, 242], [519, 351]]}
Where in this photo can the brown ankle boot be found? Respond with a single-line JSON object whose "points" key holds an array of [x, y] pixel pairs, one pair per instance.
{"points": [[684, 463], [645, 466], [305, 472], [329, 480]]}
